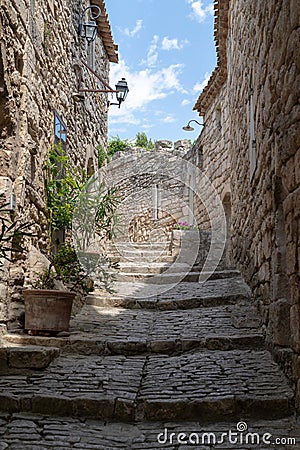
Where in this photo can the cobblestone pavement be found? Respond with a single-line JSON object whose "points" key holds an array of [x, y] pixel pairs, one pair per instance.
{"points": [[151, 373], [34, 432], [191, 385]]}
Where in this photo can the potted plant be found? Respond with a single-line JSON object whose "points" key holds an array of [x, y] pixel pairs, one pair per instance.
{"points": [[48, 304]]}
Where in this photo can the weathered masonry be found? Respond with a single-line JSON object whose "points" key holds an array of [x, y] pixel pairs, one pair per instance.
{"points": [[43, 64], [250, 151]]}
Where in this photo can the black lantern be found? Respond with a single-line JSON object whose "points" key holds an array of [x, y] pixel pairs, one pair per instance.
{"points": [[121, 91], [88, 29]]}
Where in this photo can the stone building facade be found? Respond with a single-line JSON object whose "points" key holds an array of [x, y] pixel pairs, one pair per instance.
{"points": [[43, 65], [250, 146], [152, 199]]}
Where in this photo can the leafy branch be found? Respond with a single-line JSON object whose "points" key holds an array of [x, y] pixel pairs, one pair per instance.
{"points": [[12, 234], [63, 186]]}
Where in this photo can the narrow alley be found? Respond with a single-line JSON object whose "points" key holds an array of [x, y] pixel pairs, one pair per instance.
{"points": [[136, 373]]}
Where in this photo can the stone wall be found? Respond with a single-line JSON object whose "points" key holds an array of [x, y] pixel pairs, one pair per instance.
{"points": [[265, 213], [210, 153], [263, 140], [151, 200], [40, 62]]}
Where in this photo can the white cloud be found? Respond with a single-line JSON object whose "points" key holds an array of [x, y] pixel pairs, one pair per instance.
{"points": [[170, 76], [200, 11], [172, 44], [152, 54], [135, 30], [185, 102], [168, 119], [145, 86], [200, 86]]}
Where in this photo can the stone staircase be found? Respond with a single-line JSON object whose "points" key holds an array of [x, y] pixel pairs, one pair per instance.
{"points": [[145, 362], [142, 252]]}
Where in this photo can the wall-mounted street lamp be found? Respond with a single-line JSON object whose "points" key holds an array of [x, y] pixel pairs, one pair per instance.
{"points": [[88, 28], [189, 128], [121, 92]]}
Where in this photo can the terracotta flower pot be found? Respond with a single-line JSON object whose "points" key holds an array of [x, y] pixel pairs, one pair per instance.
{"points": [[47, 310]]}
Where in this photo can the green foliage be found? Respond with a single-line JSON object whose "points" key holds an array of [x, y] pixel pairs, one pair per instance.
{"points": [[65, 267], [47, 35], [63, 185], [12, 233], [105, 217], [68, 189], [141, 140], [184, 226], [116, 144], [102, 156]]}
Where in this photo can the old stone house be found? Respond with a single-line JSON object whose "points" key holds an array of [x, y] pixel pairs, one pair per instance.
{"points": [[249, 148], [44, 66]]}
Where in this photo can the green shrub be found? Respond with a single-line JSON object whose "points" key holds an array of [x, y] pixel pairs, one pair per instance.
{"points": [[141, 140], [102, 156], [116, 144]]}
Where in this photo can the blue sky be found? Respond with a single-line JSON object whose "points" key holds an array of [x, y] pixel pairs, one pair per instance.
{"points": [[166, 54]]}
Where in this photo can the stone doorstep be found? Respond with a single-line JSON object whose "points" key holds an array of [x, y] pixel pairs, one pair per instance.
{"points": [[169, 304], [86, 345], [154, 389]]}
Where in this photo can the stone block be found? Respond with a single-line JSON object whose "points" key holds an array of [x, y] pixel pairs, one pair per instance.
{"points": [[294, 13], [163, 144], [3, 359], [16, 311], [296, 366], [297, 397], [295, 288], [16, 275], [291, 258], [279, 332], [6, 187], [31, 357], [37, 262], [295, 327]]}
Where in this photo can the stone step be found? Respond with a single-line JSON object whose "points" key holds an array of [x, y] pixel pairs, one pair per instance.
{"points": [[141, 252], [188, 302], [37, 432], [172, 276], [98, 331], [200, 385], [185, 295], [137, 258], [16, 358], [142, 245], [160, 267]]}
